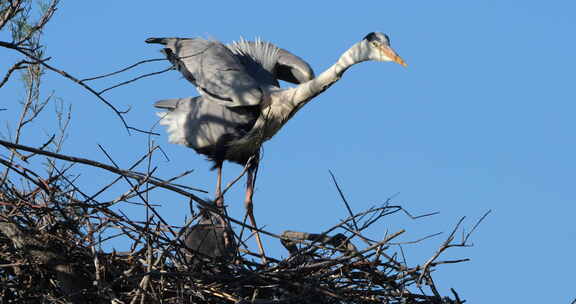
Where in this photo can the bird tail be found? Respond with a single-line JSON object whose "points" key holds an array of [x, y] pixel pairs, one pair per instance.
{"points": [[162, 41], [169, 104]]}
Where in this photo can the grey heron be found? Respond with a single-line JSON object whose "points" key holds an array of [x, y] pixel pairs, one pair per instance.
{"points": [[241, 104]]}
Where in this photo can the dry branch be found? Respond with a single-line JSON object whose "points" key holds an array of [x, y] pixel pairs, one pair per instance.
{"points": [[323, 267], [26, 43]]}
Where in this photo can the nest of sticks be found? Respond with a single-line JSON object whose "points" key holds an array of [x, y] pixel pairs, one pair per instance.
{"points": [[51, 236]]}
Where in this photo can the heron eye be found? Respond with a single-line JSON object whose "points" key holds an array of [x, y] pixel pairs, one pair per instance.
{"points": [[374, 43]]}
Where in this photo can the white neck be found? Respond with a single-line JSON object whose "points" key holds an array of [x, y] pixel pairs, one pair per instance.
{"points": [[285, 103], [305, 92]]}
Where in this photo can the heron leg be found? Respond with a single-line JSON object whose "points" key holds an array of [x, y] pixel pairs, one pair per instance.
{"points": [[250, 208], [219, 199], [224, 224]]}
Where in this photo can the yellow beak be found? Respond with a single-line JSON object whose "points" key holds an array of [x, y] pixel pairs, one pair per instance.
{"points": [[392, 55], [399, 60]]}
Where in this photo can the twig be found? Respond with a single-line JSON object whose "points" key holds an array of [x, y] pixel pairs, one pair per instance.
{"points": [[448, 243], [74, 79], [16, 66], [344, 199], [418, 240], [234, 181], [134, 79], [122, 70], [457, 297]]}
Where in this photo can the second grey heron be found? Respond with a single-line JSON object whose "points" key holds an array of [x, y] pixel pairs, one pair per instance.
{"points": [[241, 104]]}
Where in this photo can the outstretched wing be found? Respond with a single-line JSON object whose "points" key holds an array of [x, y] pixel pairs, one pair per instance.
{"points": [[268, 63], [213, 69], [292, 68]]}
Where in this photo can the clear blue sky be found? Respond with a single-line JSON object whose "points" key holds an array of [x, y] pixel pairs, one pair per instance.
{"points": [[482, 118]]}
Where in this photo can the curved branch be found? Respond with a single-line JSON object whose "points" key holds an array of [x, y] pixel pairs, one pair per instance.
{"points": [[134, 79], [16, 66], [122, 70], [76, 80]]}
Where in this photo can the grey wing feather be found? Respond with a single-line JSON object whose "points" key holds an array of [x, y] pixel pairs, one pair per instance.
{"points": [[203, 125], [292, 68], [213, 68], [268, 63]]}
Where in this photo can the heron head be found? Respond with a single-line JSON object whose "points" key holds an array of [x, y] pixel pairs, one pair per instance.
{"points": [[379, 48]]}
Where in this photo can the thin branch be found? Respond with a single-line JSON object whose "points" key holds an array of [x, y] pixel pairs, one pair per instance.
{"points": [[448, 243], [134, 79], [418, 240], [122, 70], [458, 301], [17, 66], [476, 226], [74, 79], [235, 180], [343, 199]]}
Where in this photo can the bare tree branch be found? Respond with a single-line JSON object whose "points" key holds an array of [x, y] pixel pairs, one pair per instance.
{"points": [[448, 244], [134, 79], [17, 66], [123, 70], [76, 80], [134, 175]]}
